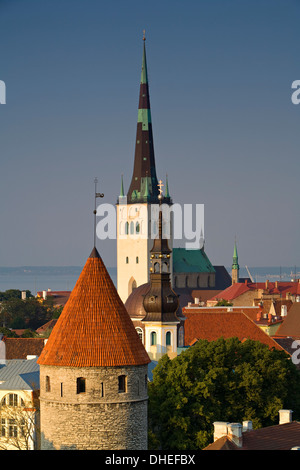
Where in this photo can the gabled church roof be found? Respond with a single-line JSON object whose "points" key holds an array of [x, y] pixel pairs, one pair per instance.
{"points": [[94, 328]]}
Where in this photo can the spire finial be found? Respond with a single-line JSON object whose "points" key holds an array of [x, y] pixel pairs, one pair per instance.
{"points": [[144, 35], [95, 210]]}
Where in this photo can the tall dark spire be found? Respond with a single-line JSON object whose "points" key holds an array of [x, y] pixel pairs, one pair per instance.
{"points": [[143, 187], [160, 302]]}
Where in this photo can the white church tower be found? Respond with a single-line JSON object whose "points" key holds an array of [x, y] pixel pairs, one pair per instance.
{"points": [[134, 229]]}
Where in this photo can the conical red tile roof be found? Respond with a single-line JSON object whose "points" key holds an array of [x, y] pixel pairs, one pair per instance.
{"points": [[94, 328]]}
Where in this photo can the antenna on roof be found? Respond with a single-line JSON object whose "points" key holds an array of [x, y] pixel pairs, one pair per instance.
{"points": [[95, 209]]}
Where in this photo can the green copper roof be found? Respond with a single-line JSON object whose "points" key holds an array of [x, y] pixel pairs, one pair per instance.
{"points": [[235, 259], [191, 261], [122, 188], [167, 194]]}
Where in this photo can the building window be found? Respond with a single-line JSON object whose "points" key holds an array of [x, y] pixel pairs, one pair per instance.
{"points": [[102, 389], [127, 260], [61, 389], [12, 428], [137, 227], [137, 260], [131, 228], [122, 383], [180, 336], [3, 427], [168, 338], [153, 338], [126, 228], [47, 383], [80, 385], [140, 333], [13, 399]]}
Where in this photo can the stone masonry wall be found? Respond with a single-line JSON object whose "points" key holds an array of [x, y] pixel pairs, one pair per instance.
{"points": [[100, 418]]}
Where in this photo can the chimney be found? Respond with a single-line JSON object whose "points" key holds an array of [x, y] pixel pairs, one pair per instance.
{"points": [[235, 433], [267, 283], [285, 416], [23, 295], [44, 294], [247, 426], [276, 284], [196, 300], [220, 429]]}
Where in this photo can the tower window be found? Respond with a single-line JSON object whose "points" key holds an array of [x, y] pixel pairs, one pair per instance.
{"points": [[131, 228], [127, 260], [153, 338], [168, 338], [47, 383], [137, 227], [126, 228], [122, 383], [80, 385], [140, 333], [137, 260]]}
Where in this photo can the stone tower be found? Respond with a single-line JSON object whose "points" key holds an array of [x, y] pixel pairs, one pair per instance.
{"points": [[134, 209], [160, 302], [93, 371], [235, 266]]}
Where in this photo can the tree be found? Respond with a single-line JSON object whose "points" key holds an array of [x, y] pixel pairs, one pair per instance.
{"points": [[223, 380], [19, 425]]}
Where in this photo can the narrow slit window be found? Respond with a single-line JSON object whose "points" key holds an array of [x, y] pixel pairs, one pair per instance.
{"points": [[122, 383], [80, 385]]}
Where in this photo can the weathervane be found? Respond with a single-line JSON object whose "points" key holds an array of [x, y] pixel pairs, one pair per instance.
{"points": [[95, 210]]}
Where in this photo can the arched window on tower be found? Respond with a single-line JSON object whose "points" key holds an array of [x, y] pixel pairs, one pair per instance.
{"points": [[131, 228], [140, 333], [126, 228], [168, 338], [153, 338], [180, 337], [137, 227]]}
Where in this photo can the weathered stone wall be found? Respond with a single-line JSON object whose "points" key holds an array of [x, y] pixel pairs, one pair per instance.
{"points": [[100, 418]]}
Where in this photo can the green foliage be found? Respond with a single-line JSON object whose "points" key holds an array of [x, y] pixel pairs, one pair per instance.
{"points": [[223, 380], [224, 303], [13, 294], [8, 333], [30, 313]]}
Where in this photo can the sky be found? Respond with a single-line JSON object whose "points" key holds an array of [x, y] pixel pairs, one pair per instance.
{"points": [[225, 129]]}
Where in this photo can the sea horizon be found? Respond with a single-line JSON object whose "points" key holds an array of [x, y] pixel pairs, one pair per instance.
{"points": [[63, 278]]}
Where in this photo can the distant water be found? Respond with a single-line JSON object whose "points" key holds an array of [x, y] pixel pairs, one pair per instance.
{"points": [[36, 279]]}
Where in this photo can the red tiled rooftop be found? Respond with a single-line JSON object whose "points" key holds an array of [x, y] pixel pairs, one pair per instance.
{"points": [[210, 325], [239, 288], [94, 328]]}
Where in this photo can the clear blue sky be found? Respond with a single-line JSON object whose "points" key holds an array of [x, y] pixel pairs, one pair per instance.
{"points": [[225, 129]]}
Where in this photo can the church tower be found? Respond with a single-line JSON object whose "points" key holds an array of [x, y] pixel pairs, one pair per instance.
{"points": [[235, 266], [134, 209], [160, 302], [93, 371]]}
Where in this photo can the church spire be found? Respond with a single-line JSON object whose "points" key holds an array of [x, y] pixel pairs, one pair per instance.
{"points": [[235, 265], [144, 180]]}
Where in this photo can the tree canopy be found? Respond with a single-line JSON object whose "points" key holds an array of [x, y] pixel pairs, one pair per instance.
{"points": [[223, 380]]}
